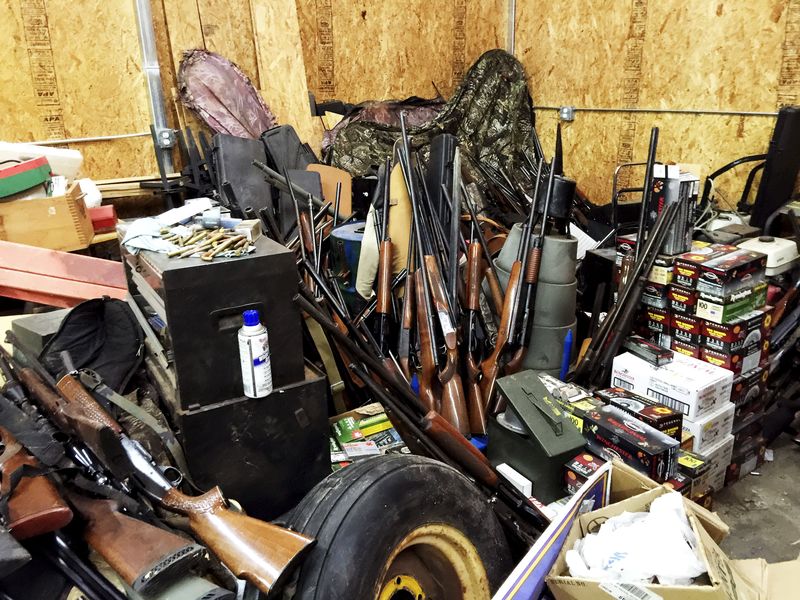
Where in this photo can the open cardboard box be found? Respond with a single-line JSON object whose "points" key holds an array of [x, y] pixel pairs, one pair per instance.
{"points": [[726, 579]]}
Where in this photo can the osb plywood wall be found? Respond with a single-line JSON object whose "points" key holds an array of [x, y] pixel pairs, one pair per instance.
{"points": [[74, 69], [724, 55], [62, 76]]}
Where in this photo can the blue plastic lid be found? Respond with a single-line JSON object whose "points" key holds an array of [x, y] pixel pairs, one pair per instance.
{"points": [[251, 318]]}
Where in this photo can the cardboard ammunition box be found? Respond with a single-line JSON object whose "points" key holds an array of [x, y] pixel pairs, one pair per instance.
{"points": [[655, 294], [724, 310], [748, 435], [687, 385], [576, 411], [637, 444], [625, 245], [680, 483], [657, 319], [647, 410], [687, 439], [711, 427], [579, 469], [685, 348], [686, 267], [748, 329], [719, 457], [744, 463], [681, 300], [749, 386], [692, 464], [741, 361], [726, 274], [686, 328]]}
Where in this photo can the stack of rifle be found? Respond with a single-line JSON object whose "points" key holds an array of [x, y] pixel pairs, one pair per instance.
{"points": [[63, 452]]}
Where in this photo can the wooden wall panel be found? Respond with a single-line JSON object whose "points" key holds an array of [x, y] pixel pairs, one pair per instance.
{"points": [[373, 49], [676, 54], [63, 78]]}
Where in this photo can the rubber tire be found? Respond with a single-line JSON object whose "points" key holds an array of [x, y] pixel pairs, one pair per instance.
{"points": [[359, 514]]}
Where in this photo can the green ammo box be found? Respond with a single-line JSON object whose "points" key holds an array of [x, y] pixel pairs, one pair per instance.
{"points": [[534, 435]]}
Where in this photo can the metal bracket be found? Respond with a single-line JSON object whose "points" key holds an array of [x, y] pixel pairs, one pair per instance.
{"points": [[566, 113], [166, 138]]}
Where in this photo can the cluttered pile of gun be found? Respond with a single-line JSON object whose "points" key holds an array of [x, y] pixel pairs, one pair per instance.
{"points": [[208, 242], [430, 324]]}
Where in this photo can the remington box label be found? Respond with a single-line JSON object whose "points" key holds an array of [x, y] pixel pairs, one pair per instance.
{"points": [[686, 267], [681, 300], [636, 443], [647, 410], [720, 311], [686, 328]]}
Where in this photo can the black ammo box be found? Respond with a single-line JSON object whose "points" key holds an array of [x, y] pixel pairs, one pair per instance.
{"points": [[198, 307]]}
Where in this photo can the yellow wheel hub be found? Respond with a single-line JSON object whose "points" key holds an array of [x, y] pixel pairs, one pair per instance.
{"points": [[434, 562]]}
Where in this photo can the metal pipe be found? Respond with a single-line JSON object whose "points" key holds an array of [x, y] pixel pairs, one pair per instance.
{"points": [[147, 41], [95, 138], [673, 111], [511, 26]]}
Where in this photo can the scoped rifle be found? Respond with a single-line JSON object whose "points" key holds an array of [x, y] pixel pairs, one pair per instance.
{"points": [[257, 551]]}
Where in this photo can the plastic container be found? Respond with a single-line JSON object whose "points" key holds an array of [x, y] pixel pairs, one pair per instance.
{"points": [[254, 356]]}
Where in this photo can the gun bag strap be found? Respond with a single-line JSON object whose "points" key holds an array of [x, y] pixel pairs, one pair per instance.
{"points": [[332, 371]]}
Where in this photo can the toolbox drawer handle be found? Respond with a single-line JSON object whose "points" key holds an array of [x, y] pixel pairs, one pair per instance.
{"points": [[230, 318]]}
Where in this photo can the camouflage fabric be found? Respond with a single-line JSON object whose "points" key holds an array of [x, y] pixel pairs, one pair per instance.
{"points": [[491, 114]]}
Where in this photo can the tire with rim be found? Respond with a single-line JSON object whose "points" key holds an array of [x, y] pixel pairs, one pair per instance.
{"points": [[398, 527]]}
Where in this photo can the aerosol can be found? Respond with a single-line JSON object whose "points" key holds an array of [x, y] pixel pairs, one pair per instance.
{"points": [[254, 356]]}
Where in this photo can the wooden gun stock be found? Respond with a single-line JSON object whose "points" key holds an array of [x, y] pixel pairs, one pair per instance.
{"points": [[428, 364], [495, 290], [780, 306], [459, 449], [384, 278], [475, 406], [262, 553], [490, 367], [143, 555], [34, 506], [407, 323]]}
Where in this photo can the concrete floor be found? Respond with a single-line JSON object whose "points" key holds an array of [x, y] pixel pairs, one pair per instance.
{"points": [[763, 511]]}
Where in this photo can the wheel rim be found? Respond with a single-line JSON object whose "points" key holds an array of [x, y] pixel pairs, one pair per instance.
{"points": [[434, 562]]}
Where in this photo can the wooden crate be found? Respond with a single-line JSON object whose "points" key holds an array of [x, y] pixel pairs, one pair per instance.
{"points": [[58, 223]]}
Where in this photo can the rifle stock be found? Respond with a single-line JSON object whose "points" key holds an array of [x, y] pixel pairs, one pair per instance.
{"points": [[459, 449], [426, 358], [475, 407], [34, 507], [260, 552], [490, 367], [146, 557]]}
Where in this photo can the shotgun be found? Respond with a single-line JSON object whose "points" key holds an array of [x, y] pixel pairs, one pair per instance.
{"points": [[407, 315], [491, 273], [34, 505], [786, 300], [257, 551], [384, 287], [475, 405], [146, 557]]}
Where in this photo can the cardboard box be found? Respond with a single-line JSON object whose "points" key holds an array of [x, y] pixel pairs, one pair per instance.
{"points": [[685, 348], [688, 385], [576, 411], [681, 300], [686, 328], [725, 310], [647, 410], [747, 330], [725, 580], [744, 463], [718, 456], [656, 319], [686, 267], [728, 273], [692, 464], [58, 223], [749, 386], [738, 361], [711, 427], [636, 443], [680, 483], [579, 469], [748, 436], [655, 294]]}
